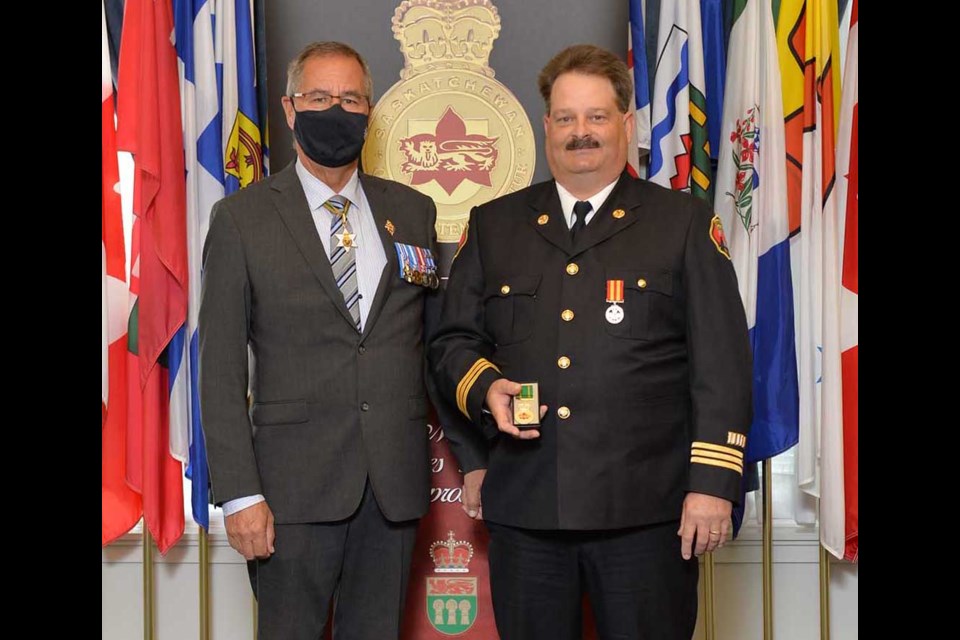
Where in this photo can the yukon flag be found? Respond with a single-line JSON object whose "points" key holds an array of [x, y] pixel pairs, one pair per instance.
{"points": [[203, 151], [848, 196], [680, 149], [150, 129], [751, 202], [120, 505], [637, 62], [808, 40]]}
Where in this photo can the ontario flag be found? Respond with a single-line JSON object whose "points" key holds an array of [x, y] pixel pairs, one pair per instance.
{"points": [[120, 505], [149, 127], [848, 196]]}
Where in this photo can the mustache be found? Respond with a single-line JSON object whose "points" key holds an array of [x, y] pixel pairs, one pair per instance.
{"points": [[582, 142]]}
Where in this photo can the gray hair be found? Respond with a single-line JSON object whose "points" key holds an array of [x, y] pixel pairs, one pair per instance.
{"points": [[322, 50]]}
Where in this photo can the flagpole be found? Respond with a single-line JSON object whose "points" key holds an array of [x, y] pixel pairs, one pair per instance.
{"points": [[204, 568], [147, 583], [824, 594], [767, 550], [256, 623], [709, 621]]}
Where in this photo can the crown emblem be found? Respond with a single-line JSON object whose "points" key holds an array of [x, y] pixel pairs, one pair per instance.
{"points": [[448, 128], [445, 34], [451, 555]]}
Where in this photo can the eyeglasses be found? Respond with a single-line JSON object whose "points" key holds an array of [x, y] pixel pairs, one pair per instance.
{"points": [[321, 100]]}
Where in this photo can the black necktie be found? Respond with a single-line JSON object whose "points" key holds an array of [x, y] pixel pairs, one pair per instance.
{"points": [[580, 209]]}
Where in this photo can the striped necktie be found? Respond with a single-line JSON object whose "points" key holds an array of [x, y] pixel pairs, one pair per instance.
{"points": [[343, 259]]}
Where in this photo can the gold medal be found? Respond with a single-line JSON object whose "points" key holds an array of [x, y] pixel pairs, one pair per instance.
{"points": [[345, 239], [526, 405]]}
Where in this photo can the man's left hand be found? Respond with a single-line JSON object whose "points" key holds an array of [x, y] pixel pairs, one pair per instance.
{"points": [[706, 520]]}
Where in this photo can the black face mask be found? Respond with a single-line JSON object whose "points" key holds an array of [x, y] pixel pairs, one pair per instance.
{"points": [[332, 138]]}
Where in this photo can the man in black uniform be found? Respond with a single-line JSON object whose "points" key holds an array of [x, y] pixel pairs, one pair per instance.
{"points": [[618, 298]]}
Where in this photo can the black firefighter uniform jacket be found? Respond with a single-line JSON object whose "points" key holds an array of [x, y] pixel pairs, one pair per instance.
{"points": [[641, 411]]}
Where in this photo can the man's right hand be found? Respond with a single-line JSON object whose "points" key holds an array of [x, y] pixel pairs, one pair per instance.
{"points": [[499, 396], [251, 532], [472, 483]]}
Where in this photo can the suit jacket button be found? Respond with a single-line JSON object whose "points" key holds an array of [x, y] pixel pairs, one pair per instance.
{"points": [[563, 362], [365, 406], [361, 349], [567, 315], [573, 269], [563, 412]]}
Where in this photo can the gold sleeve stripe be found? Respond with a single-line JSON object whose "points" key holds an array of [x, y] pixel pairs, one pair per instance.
{"points": [[468, 380], [717, 456], [718, 447], [717, 463], [463, 387], [737, 439]]}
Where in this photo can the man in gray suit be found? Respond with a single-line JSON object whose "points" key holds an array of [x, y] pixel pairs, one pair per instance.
{"points": [[324, 274]]}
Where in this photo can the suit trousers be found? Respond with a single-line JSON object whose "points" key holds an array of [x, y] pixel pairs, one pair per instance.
{"points": [[361, 564]]}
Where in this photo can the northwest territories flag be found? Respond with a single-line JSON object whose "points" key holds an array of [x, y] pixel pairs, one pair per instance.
{"points": [[680, 149]]}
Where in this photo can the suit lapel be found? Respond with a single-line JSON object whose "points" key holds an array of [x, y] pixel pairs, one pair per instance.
{"points": [[292, 206], [546, 202], [616, 214], [379, 207]]}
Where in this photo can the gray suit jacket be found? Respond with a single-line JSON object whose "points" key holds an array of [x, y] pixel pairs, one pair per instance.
{"points": [[329, 406]]}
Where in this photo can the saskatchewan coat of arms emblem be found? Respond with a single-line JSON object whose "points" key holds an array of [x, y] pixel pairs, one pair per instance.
{"points": [[448, 128], [451, 595]]}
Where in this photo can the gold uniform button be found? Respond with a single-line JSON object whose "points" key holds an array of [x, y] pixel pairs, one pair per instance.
{"points": [[563, 412], [505, 289], [567, 315], [563, 362], [573, 269], [642, 283], [543, 219]]}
